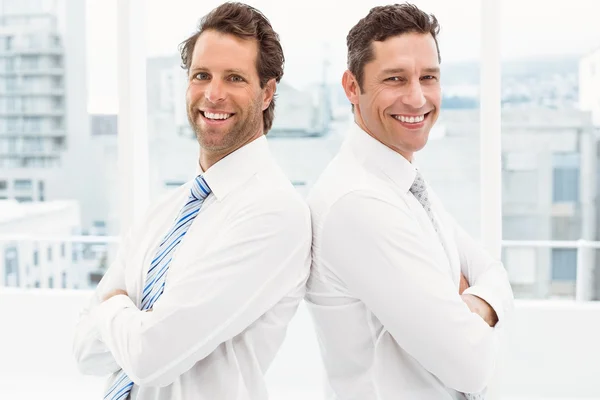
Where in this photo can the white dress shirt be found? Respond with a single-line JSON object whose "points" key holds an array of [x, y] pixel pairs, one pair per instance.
{"points": [[383, 293], [232, 287]]}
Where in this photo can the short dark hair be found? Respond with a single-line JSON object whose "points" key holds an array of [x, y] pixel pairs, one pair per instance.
{"points": [[245, 22], [381, 23]]}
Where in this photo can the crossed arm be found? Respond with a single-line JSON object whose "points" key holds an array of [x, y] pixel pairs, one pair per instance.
{"points": [[386, 264], [212, 300]]}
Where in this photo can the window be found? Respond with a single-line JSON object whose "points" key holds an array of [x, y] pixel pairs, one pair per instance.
{"points": [[56, 61], [58, 143], [23, 184], [10, 64], [30, 62], [3, 185], [41, 192], [57, 123], [11, 84], [57, 82], [450, 161], [12, 144], [11, 104], [11, 267], [564, 264], [542, 89], [57, 103], [565, 176], [32, 124], [49, 254], [12, 125]]}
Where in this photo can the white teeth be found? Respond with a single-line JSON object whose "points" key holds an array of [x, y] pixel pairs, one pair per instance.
{"points": [[216, 116], [410, 120]]}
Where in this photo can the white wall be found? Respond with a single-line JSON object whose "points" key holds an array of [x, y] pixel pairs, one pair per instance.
{"points": [[553, 351]]}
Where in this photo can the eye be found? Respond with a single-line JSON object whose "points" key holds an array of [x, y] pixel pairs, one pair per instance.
{"points": [[429, 78], [236, 78], [201, 76]]}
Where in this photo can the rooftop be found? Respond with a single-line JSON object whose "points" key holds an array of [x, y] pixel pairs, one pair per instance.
{"points": [[11, 210]]}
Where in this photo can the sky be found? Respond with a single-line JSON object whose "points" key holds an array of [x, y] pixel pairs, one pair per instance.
{"points": [[311, 30]]}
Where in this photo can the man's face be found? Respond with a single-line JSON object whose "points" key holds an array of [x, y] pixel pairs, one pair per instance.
{"points": [[224, 99], [401, 95]]}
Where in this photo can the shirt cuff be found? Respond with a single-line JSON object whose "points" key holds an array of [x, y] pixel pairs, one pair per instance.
{"points": [[491, 299], [107, 310]]}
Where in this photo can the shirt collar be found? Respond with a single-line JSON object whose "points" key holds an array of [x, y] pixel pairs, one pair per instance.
{"points": [[372, 152], [236, 168]]}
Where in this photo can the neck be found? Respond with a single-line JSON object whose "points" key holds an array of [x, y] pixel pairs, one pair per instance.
{"points": [[209, 157]]}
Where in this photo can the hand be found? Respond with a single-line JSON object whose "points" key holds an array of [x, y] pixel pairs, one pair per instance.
{"points": [[464, 284], [480, 307], [114, 293]]}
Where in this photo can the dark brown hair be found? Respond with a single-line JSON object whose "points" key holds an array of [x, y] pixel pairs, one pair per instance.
{"points": [[245, 22], [381, 23]]}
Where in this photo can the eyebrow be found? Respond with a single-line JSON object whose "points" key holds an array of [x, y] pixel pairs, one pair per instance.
{"points": [[430, 70], [227, 71]]}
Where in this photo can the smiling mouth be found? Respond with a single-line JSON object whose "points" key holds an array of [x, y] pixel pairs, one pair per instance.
{"points": [[216, 116], [412, 119]]}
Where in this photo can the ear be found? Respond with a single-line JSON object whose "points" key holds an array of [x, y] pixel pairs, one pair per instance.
{"points": [[350, 85], [269, 92]]}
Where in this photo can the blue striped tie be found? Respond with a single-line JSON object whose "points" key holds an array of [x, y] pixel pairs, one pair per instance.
{"points": [[155, 280]]}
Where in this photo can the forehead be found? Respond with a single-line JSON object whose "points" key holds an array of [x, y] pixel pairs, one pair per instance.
{"points": [[216, 50], [409, 50]]}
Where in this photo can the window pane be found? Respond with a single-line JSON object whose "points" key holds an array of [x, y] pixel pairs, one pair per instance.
{"points": [[549, 141], [57, 66], [564, 264]]}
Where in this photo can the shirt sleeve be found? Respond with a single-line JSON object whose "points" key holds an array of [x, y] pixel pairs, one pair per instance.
{"points": [[486, 275], [256, 258], [376, 249], [91, 354]]}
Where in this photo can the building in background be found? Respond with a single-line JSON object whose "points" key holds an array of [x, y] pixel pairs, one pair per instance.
{"points": [[37, 248], [549, 174], [39, 264], [44, 125]]}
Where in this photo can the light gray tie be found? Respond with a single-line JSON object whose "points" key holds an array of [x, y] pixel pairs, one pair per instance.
{"points": [[419, 190]]}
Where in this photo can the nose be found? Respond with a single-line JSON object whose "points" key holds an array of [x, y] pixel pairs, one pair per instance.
{"points": [[215, 92], [414, 96]]}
